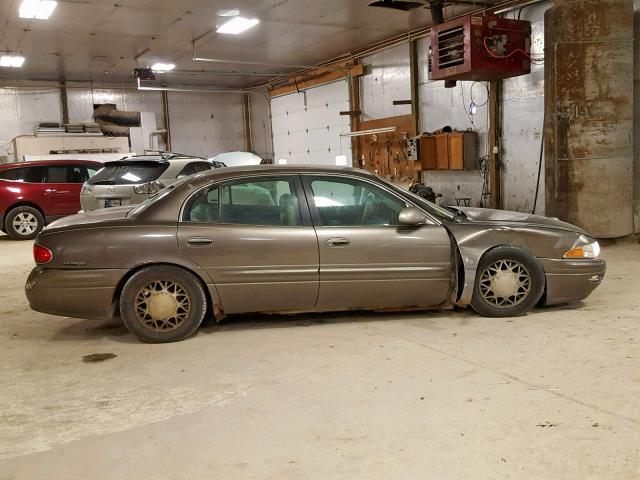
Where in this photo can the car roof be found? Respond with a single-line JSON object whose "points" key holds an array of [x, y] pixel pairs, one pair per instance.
{"points": [[46, 163], [304, 169], [172, 158], [232, 172]]}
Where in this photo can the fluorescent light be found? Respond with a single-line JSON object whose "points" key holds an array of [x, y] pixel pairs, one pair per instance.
{"points": [[229, 13], [40, 9], [11, 61], [162, 67], [237, 25]]}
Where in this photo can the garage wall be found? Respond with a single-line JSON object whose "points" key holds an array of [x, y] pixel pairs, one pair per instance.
{"points": [[206, 124], [21, 110], [80, 102], [388, 78], [523, 115], [307, 125], [441, 107], [261, 126]]}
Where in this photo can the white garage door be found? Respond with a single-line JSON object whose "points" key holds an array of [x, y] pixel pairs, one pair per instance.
{"points": [[307, 126]]}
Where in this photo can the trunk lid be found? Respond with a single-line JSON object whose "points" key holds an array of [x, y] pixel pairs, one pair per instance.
{"points": [[103, 216]]}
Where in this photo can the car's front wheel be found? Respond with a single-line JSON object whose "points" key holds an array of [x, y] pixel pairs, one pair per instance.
{"points": [[23, 223], [162, 303], [509, 283]]}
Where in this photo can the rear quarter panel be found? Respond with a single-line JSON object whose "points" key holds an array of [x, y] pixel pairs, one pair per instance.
{"points": [[122, 247]]}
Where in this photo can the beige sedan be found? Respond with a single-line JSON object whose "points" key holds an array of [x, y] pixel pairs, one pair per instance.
{"points": [[300, 239]]}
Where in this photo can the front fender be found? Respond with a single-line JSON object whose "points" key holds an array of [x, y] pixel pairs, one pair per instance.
{"points": [[473, 241]]}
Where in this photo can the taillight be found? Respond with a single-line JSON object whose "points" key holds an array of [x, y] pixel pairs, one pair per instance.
{"points": [[86, 189], [41, 254], [149, 188]]}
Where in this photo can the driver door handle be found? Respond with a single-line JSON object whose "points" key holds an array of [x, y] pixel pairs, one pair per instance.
{"points": [[200, 241], [337, 242]]}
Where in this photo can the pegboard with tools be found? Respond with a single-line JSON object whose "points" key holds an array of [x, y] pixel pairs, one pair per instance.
{"points": [[388, 154]]}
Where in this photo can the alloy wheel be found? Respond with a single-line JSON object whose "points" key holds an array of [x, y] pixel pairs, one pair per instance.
{"points": [[25, 223], [162, 305], [505, 283]]}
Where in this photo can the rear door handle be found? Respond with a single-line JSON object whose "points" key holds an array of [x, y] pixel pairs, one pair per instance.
{"points": [[337, 242], [200, 241]]}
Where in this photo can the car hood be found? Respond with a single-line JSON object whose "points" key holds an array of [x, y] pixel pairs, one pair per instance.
{"points": [[88, 218], [508, 218]]}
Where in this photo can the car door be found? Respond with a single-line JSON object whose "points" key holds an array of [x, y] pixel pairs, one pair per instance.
{"points": [[62, 189], [255, 239], [368, 260]]}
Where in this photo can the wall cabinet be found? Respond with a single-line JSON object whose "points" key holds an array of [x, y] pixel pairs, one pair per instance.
{"points": [[449, 151]]}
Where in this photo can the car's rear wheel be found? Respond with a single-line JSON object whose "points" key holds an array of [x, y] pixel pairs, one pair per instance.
{"points": [[23, 223], [509, 283], [162, 303]]}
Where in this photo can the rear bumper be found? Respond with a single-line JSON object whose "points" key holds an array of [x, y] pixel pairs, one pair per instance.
{"points": [[96, 199], [571, 280], [73, 293]]}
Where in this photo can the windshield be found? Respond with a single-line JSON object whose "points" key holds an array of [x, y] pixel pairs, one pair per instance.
{"points": [[440, 212], [128, 173]]}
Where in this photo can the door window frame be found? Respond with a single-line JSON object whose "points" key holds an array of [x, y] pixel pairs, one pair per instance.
{"points": [[315, 214], [294, 178]]}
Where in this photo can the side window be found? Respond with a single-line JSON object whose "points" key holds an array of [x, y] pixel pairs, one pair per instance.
{"points": [[91, 171], [194, 167], [23, 174], [203, 207], [65, 174], [347, 202], [258, 202]]}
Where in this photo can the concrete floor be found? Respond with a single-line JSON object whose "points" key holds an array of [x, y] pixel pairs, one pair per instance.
{"points": [[553, 395]]}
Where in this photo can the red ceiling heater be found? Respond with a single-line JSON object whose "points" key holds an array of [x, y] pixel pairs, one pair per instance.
{"points": [[478, 47]]}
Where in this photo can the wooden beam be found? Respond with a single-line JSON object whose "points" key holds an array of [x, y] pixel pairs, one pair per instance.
{"points": [[316, 77], [495, 170], [415, 95], [166, 120], [354, 106], [246, 113], [64, 102]]}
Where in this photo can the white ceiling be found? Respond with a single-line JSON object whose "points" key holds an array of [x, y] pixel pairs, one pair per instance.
{"points": [[104, 40]]}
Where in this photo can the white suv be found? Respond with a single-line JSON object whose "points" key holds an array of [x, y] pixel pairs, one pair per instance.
{"points": [[134, 179]]}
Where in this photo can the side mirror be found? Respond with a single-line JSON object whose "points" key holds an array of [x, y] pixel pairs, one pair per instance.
{"points": [[412, 216]]}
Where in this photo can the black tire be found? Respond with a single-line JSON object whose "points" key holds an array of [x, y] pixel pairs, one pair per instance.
{"points": [[148, 320], [33, 223], [521, 267]]}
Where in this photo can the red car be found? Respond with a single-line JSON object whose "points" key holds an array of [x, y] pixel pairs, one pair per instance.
{"points": [[33, 194]]}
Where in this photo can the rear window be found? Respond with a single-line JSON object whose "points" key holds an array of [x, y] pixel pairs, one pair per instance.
{"points": [[23, 174], [128, 173]]}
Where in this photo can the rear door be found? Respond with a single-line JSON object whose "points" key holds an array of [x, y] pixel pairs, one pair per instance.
{"points": [[255, 239], [368, 260], [62, 188]]}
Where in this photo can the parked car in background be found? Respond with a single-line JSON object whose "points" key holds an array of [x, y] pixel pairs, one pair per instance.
{"points": [[33, 194], [134, 179], [237, 159], [293, 239]]}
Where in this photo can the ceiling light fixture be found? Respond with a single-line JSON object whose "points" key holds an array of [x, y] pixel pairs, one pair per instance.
{"points": [[229, 13], [237, 25], [14, 61], [162, 67], [40, 9]]}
